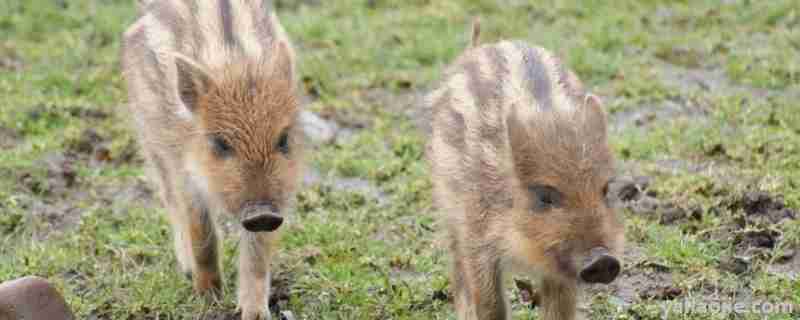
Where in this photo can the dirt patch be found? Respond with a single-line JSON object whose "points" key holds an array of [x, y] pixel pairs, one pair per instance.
{"points": [[90, 144], [674, 165], [760, 208], [45, 198], [751, 226], [633, 194], [628, 188], [361, 186], [85, 112], [681, 56], [350, 118], [760, 238], [56, 198], [57, 215], [60, 176], [715, 80], [53, 218], [752, 223], [636, 284], [685, 75], [94, 148], [404, 102], [750, 209], [9, 138], [647, 115], [10, 60], [128, 154], [396, 232], [280, 294], [364, 187], [788, 265], [640, 280]]}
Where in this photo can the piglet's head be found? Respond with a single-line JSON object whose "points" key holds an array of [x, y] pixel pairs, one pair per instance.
{"points": [[246, 151]]}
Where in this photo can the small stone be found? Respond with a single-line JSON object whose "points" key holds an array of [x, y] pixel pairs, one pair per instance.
{"points": [[32, 298], [287, 315], [645, 205], [735, 265], [318, 130], [623, 189]]}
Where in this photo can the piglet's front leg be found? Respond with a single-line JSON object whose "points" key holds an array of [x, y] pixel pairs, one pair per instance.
{"points": [[255, 255]]}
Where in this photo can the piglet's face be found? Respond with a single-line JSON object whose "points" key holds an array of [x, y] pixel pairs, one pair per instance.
{"points": [[562, 220], [247, 154]]}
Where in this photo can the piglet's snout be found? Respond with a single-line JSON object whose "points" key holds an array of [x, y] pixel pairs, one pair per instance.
{"points": [[260, 217], [600, 267]]}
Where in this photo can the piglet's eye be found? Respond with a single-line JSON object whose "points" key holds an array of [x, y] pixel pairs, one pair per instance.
{"points": [[220, 146], [283, 143], [544, 198]]}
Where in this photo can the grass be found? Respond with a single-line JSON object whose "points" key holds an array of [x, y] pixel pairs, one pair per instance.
{"points": [[349, 254]]}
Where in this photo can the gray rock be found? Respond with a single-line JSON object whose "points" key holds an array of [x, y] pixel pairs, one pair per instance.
{"points": [[287, 315], [32, 298], [318, 130]]}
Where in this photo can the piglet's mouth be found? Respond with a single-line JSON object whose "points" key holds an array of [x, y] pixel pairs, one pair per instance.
{"points": [[260, 217]]}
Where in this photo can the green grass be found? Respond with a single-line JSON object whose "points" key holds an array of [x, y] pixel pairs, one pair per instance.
{"points": [[348, 255]]}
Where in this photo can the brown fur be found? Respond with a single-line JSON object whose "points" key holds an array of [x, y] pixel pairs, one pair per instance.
{"points": [[212, 95], [509, 121]]}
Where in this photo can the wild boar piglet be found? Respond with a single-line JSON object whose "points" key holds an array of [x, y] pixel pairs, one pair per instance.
{"points": [[212, 99], [521, 168]]}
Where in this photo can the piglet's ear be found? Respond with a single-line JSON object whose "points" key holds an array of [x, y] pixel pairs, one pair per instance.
{"points": [[593, 101], [193, 80], [595, 116], [283, 61]]}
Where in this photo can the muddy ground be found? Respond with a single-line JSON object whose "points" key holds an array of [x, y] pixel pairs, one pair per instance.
{"points": [[752, 228], [738, 215]]}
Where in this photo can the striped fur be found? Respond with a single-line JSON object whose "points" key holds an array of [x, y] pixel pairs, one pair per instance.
{"points": [[507, 116], [201, 72]]}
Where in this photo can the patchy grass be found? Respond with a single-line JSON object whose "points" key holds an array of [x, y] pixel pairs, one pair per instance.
{"points": [[702, 97]]}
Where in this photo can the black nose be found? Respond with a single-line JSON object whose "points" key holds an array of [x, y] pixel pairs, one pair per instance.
{"points": [[260, 217], [601, 268]]}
